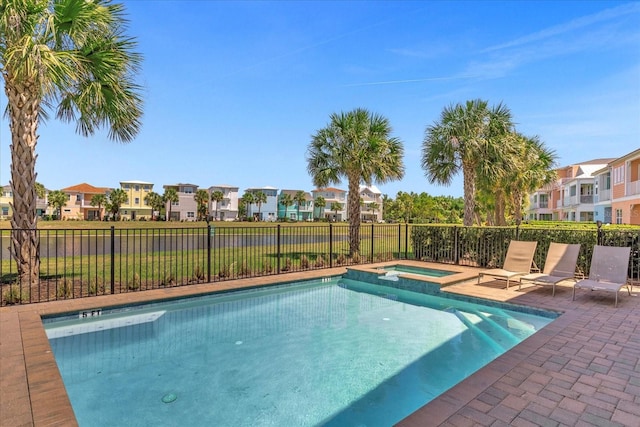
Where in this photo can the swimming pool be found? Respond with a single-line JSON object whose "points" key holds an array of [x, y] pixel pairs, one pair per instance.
{"points": [[429, 272], [332, 352]]}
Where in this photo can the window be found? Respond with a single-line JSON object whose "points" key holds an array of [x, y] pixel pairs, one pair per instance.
{"points": [[175, 203], [136, 188], [5, 210], [572, 190], [188, 190], [78, 197], [191, 215], [618, 216], [618, 175], [136, 201]]}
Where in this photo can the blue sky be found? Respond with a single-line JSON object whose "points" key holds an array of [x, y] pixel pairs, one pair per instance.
{"points": [[234, 90]]}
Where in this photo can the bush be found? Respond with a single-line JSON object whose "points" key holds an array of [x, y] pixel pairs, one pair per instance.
{"points": [[14, 294]]}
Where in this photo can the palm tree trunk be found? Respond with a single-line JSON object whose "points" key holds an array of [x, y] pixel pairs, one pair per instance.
{"points": [[354, 216], [24, 107], [469, 188]]}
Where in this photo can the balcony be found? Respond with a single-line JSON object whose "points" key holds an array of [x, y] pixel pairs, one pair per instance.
{"points": [[633, 188], [604, 196]]}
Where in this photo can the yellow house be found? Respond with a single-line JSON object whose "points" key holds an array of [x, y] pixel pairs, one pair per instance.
{"points": [[6, 198], [136, 207]]}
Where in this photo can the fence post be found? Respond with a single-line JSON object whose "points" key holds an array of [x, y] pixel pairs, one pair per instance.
{"points": [[330, 245], [208, 251], [399, 241], [113, 260], [456, 254], [278, 249], [517, 229], [406, 241], [372, 225], [599, 232]]}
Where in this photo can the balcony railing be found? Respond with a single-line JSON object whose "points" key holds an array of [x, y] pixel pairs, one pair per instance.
{"points": [[604, 195], [633, 188]]}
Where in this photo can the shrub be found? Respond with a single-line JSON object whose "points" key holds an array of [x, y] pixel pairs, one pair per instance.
{"points": [[14, 294], [341, 259], [287, 265], [304, 262], [224, 272], [198, 273], [244, 269], [319, 262], [65, 290], [134, 283]]}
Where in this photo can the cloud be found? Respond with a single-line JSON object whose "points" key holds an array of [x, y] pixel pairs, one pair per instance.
{"points": [[585, 21]]}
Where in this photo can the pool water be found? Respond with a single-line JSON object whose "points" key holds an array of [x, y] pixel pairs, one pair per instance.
{"points": [[431, 272], [341, 353]]}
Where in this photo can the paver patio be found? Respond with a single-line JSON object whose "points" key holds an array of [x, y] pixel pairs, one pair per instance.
{"points": [[583, 369]]}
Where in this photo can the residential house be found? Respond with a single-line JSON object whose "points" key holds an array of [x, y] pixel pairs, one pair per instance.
{"points": [[371, 203], [136, 206], [331, 195], [6, 201], [79, 202], [227, 208], [625, 188], [304, 212], [266, 211], [186, 208], [571, 197]]}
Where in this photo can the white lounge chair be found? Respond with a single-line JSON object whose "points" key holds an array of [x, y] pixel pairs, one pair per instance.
{"points": [[517, 262], [560, 265], [608, 271]]}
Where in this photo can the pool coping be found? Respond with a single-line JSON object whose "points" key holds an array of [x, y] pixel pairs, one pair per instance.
{"points": [[33, 392]]}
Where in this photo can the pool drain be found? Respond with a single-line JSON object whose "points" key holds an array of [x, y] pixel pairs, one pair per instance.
{"points": [[170, 397]]}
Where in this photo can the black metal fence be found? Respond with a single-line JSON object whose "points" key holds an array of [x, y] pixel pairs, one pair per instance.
{"points": [[84, 263]]}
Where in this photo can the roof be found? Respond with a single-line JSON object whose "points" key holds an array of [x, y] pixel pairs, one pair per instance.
{"points": [[224, 186], [371, 188], [266, 187], [136, 182], [317, 190], [179, 185], [86, 189], [293, 193]]}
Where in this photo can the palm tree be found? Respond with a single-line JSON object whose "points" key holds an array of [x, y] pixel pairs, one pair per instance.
{"points": [[75, 57], [117, 198], [336, 207], [217, 196], [534, 171], [169, 197], [156, 202], [468, 137], [259, 198], [357, 146], [300, 198], [247, 200], [58, 199], [373, 207], [202, 200], [286, 200], [99, 200], [320, 204]]}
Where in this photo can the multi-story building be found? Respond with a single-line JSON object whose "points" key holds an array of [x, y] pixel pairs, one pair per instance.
{"points": [[606, 190], [227, 208], [332, 197], [625, 188], [79, 202], [186, 208], [136, 206], [6, 201], [267, 211], [295, 212], [371, 207]]}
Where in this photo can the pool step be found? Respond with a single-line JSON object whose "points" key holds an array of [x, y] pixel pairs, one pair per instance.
{"points": [[494, 331], [497, 347]]}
